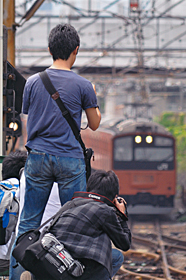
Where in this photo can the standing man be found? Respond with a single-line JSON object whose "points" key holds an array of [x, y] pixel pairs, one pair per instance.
{"points": [[54, 153]]}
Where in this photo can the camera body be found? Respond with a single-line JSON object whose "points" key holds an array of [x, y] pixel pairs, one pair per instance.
{"points": [[119, 199]]}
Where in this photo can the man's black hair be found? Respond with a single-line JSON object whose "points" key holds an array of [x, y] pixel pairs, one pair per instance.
{"points": [[104, 183], [12, 164], [62, 41]]}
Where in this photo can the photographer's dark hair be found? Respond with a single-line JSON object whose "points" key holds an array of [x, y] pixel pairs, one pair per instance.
{"points": [[104, 183], [12, 164], [62, 41]]}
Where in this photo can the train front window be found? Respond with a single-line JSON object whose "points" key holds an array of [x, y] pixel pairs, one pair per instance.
{"points": [[123, 150], [153, 154], [131, 154], [163, 141]]}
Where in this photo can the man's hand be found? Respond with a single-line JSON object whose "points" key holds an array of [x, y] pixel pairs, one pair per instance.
{"points": [[120, 204]]}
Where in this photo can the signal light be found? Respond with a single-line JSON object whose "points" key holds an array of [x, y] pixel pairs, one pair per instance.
{"points": [[134, 5], [14, 125], [138, 139], [149, 139]]}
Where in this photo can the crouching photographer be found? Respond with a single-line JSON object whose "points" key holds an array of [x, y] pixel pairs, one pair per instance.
{"points": [[77, 243], [87, 229]]}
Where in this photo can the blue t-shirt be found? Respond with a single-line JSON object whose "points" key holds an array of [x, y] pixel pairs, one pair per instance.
{"points": [[48, 131]]}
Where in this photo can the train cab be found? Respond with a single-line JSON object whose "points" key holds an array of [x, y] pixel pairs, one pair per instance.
{"points": [[142, 154]]}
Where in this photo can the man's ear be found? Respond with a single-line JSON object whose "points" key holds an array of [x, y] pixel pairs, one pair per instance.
{"points": [[76, 50], [49, 50]]}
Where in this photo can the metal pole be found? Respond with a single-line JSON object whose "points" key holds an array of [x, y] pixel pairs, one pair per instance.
{"points": [[1, 81], [103, 33], [9, 22], [89, 6], [5, 40], [157, 40], [181, 107]]}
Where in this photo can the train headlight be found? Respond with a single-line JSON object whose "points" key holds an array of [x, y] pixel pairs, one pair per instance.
{"points": [[149, 139], [138, 139]]}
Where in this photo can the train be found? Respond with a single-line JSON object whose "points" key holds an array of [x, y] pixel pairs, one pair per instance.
{"points": [[143, 155]]}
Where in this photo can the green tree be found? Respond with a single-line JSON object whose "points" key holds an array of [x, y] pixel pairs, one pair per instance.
{"points": [[176, 125]]}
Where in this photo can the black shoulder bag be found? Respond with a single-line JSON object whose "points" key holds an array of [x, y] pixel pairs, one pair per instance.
{"points": [[88, 152]]}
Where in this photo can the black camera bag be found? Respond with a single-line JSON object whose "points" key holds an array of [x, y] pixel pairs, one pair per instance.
{"points": [[28, 261], [30, 254]]}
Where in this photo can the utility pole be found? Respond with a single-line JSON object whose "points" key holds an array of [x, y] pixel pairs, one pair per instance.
{"points": [[135, 12], [9, 22]]}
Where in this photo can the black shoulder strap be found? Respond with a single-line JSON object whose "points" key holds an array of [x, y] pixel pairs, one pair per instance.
{"points": [[100, 198], [55, 95], [94, 196]]}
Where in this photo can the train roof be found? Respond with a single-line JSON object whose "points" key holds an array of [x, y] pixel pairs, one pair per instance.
{"points": [[120, 125]]}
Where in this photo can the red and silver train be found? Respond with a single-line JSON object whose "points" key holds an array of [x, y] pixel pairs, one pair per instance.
{"points": [[142, 154]]}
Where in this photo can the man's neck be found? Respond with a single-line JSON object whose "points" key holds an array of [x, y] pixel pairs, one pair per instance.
{"points": [[61, 65]]}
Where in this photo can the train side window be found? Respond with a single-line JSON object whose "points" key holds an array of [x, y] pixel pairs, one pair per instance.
{"points": [[123, 149], [163, 141]]}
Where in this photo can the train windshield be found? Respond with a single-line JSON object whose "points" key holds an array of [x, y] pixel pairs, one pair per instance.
{"points": [[144, 152], [123, 149]]}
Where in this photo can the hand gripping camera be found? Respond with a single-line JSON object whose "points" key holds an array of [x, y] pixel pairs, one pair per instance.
{"points": [[124, 202]]}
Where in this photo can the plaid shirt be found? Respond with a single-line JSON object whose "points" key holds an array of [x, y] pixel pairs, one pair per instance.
{"points": [[88, 228]]}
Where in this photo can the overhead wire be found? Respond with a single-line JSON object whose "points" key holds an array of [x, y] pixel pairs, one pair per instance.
{"points": [[23, 4], [168, 9], [82, 11]]}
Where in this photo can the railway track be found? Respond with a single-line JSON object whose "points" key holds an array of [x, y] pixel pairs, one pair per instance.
{"points": [[158, 251]]}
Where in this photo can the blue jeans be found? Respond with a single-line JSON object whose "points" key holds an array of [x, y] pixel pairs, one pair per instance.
{"points": [[117, 261], [101, 272], [41, 171]]}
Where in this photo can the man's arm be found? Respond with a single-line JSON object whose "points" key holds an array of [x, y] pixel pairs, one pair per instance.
{"points": [[93, 117], [117, 230]]}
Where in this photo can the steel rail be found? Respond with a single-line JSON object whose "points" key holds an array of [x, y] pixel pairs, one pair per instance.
{"points": [[163, 254], [141, 276], [178, 271], [166, 244], [155, 257], [131, 252]]}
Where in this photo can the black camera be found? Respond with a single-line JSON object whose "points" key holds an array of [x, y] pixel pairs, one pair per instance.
{"points": [[119, 199]]}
